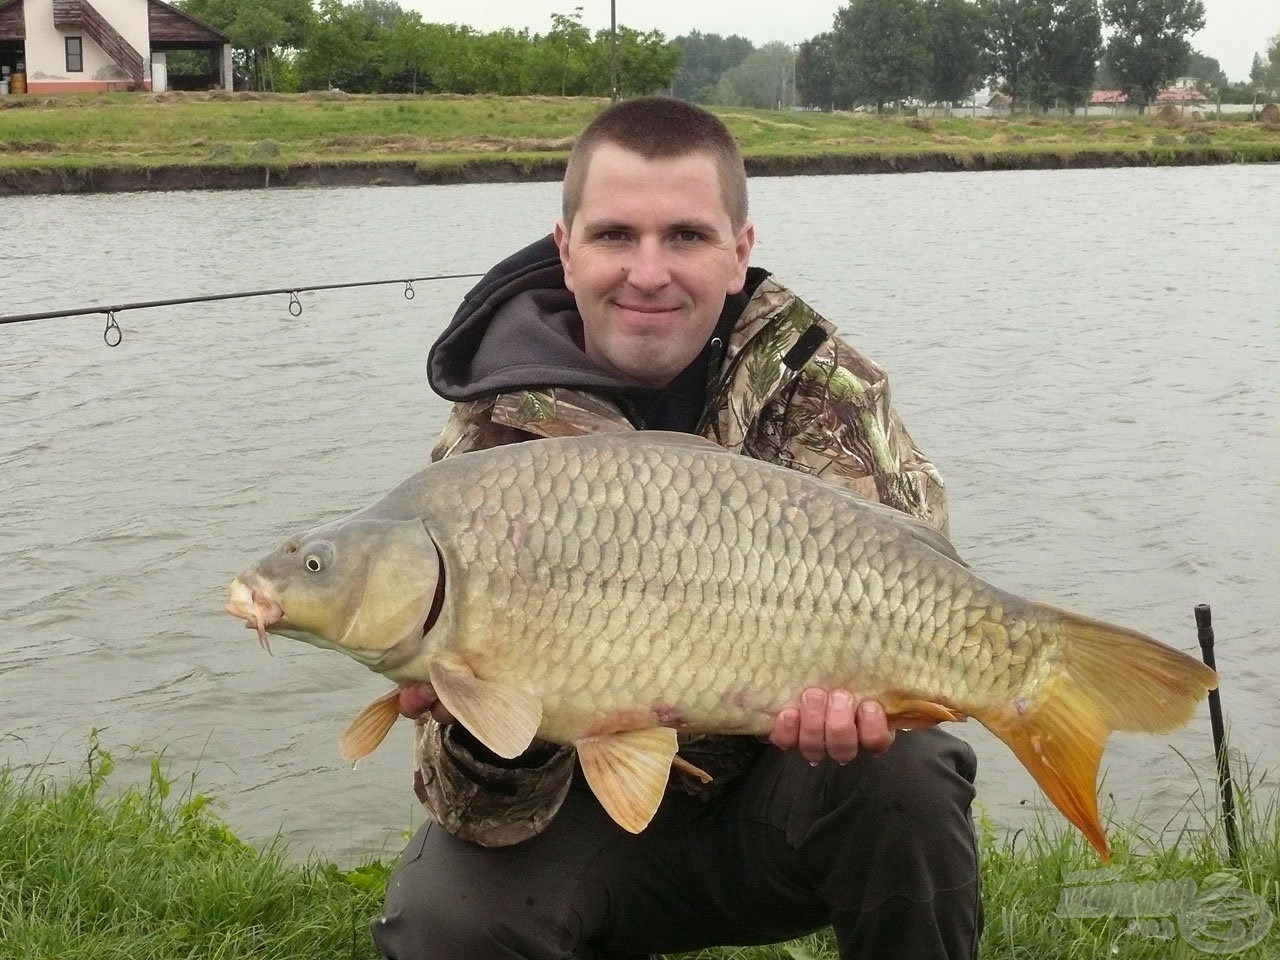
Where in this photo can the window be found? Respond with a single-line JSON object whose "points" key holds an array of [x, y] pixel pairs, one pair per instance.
{"points": [[75, 55]]}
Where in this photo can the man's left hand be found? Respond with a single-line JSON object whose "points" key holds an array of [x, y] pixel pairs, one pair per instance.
{"points": [[832, 725]]}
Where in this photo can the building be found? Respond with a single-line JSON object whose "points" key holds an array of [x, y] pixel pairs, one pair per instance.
{"points": [[75, 46], [1182, 94]]}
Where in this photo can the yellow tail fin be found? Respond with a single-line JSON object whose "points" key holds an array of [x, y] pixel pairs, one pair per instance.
{"points": [[1109, 678]]}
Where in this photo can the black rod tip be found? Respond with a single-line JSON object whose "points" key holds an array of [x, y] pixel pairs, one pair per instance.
{"points": [[1204, 618]]}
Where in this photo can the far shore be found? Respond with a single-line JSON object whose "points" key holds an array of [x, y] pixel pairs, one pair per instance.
{"points": [[391, 173], [129, 142]]}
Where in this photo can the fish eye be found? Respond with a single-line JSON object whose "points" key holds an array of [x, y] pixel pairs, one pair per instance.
{"points": [[313, 563]]}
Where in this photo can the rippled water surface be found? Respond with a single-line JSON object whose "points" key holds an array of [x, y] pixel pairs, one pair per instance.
{"points": [[1091, 357]]}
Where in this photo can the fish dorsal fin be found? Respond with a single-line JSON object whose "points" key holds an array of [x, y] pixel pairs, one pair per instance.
{"points": [[370, 727], [669, 438], [502, 717], [628, 772]]}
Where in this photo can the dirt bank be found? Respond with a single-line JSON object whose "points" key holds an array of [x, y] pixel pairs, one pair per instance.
{"points": [[14, 182]]}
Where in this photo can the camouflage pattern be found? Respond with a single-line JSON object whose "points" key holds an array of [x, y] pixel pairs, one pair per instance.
{"points": [[791, 393]]}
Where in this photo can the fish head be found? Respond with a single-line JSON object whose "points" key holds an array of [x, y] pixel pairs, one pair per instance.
{"points": [[365, 587]]}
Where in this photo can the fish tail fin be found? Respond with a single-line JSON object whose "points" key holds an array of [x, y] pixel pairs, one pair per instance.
{"points": [[1110, 679]]}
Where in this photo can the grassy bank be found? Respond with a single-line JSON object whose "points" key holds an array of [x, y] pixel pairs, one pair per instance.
{"points": [[281, 131], [150, 873]]}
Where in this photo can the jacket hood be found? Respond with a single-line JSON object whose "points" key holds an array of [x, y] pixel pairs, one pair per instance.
{"points": [[519, 328]]}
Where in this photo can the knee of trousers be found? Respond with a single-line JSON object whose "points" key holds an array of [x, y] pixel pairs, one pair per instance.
{"points": [[421, 929], [905, 818], [925, 779]]}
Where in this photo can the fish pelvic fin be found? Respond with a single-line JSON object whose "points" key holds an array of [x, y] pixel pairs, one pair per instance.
{"points": [[370, 727], [628, 772], [1109, 679], [501, 716]]}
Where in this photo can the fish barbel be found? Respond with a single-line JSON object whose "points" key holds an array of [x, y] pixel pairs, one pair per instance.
{"points": [[611, 590]]}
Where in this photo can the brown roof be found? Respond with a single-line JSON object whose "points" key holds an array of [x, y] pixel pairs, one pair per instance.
{"points": [[1181, 95], [1171, 95], [12, 23]]}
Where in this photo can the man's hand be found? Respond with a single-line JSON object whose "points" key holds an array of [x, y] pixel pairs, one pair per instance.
{"points": [[831, 726], [418, 700]]}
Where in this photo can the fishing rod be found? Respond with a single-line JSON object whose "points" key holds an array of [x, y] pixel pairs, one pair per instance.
{"points": [[112, 334], [1204, 633]]}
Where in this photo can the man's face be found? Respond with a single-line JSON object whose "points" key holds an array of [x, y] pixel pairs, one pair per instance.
{"points": [[650, 257]]}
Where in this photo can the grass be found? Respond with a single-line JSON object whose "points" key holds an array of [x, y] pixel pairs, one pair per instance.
{"points": [[150, 873], [278, 130]]}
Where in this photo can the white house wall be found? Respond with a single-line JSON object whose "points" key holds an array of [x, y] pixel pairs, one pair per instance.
{"points": [[46, 48]]}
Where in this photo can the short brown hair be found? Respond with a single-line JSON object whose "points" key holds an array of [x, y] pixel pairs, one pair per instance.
{"points": [[659, 128]]}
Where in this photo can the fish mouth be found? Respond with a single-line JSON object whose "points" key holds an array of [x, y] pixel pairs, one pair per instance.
{"points": [[257, 606]]}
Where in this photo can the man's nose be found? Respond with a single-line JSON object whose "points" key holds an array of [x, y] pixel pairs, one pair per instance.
{"points": [[649, 269]]}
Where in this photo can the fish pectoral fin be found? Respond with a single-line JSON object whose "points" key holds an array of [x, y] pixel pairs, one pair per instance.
{"points": [[369, 728], [628, 772], [909, 714], [502, 717], [684, 766]]}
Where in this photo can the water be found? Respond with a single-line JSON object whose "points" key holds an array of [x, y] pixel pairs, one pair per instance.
{"points": [[1091, 357]]}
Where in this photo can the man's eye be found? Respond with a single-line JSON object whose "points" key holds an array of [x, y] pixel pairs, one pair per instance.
{"points": [[613, 236], [688, 236]]}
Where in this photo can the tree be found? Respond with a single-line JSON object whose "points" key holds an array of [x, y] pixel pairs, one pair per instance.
{"points": [[705, 58], [334, 54], [880, 49], [380, 14], [762, 80], [1149, 46], [647, 62], [1265, 74], [1208, 73], [1073, 50], [818, 81], [955, 38], [501, 61], [1017, 35], [257, 28], [568, 62]]}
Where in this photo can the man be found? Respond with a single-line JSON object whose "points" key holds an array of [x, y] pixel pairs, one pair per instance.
{"points": [[641, 312]]}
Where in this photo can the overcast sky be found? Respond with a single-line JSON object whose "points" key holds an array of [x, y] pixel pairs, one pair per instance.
{"points": [[1234, 29]]}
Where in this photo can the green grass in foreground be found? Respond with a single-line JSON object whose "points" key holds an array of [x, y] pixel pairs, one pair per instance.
{"points": [[276, 130], [150, 874]]}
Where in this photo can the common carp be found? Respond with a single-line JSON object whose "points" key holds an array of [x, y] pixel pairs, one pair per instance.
{"points": [[609, 591]]}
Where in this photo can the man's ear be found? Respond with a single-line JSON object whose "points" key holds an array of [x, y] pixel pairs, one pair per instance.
{"points": [[561, 236], [742, 244]]}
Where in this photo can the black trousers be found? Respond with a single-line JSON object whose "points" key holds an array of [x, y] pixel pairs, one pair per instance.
{"points": [[881, 849]]}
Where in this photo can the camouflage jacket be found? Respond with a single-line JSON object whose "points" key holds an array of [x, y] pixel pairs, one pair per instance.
{"points": [[789, 392]]}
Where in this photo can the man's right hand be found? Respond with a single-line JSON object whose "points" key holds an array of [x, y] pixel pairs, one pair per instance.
{"points": [[418, 700]]}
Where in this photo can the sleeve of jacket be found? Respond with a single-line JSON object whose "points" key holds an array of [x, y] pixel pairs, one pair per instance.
{"points": [[466, 789], [837, 420]]}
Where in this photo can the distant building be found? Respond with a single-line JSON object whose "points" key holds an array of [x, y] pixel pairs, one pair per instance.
{"points": [[1182, 93], [74, 46]]}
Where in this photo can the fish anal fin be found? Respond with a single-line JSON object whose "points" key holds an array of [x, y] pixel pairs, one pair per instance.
{"points": [[628, 772], [501, 716], [904, 713], [364, 734], [1062, 749]]}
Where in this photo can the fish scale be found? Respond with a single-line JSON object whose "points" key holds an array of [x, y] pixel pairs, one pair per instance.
{"points": [[604, 591]]}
